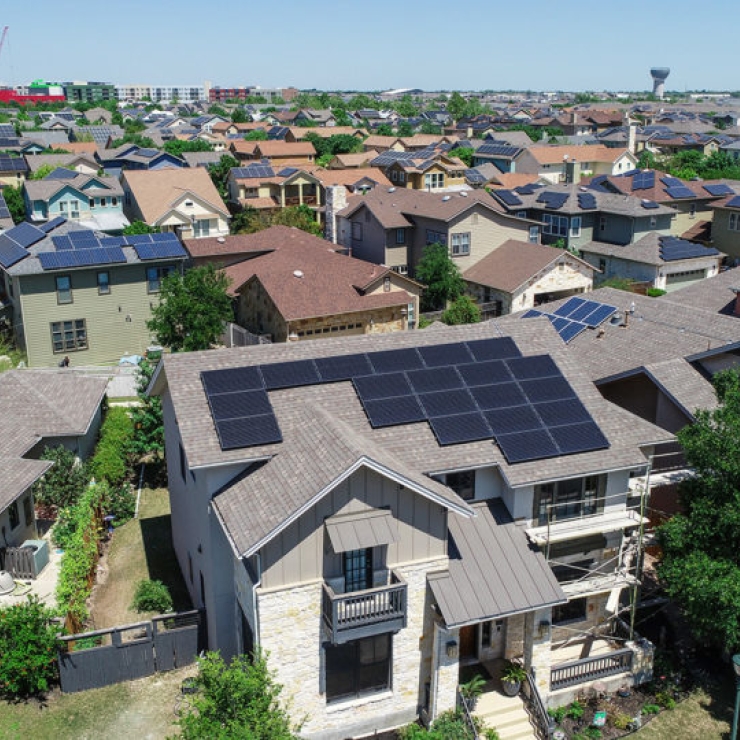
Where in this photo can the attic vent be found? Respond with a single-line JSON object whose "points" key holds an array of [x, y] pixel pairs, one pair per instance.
{"points": [[220, 239], [298, 273], [445, 198], [189, 203]]}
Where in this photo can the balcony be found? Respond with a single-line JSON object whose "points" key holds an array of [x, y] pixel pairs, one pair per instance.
{"points": [[359, 614], [295, 200]]}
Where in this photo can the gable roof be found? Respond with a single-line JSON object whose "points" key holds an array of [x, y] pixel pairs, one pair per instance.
{"points": [[648, 250], [585, 153]]}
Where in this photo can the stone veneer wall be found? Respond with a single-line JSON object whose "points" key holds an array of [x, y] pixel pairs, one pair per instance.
{"points": [[446, 677], [292, 632], [514, 637]]}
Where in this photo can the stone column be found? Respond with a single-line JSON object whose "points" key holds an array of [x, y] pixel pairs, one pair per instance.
{"points": [[538, 646], [445, 670]]}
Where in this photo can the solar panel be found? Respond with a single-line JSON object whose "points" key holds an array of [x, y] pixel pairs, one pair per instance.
{"points": [[534, 444], [559, 413], [388, 385], [10, 251], [4, 211], [571, 331], [434, 379], [240, 404], [387, 412], [135, 239], [719, 189], [161, 250], [671, 182], [648, 204], [248, 432], [346, 367], [552, 200], [488, 372], [517, 419], [232, 379], [547, 389], [165, 237], [446, 403], [290, 374], [508, 197], [672, 249], [62, 242], [51, 225], [532, 313], [493, 349], [580, 313], [680, 191], [575, 438], [473, 176], [113, 241], [26, 234], [394, 360], [54, 260], [643, 181], [83, 239], [733, 202], [586, 201], [12, 164], [439, 355], [460, 428], [599, 315], [535, 366], [287, 171], [498, 396]]}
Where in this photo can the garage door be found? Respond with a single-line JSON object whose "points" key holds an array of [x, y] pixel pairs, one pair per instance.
{"points": [[680, 279]]}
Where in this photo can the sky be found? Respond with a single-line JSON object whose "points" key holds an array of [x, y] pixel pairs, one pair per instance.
{"points": [[378, 45]]}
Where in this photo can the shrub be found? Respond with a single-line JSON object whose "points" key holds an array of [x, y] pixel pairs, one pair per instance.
{"points": [[28, 661], [63, 483], [651, 709], [655, 292], [120, 503], [111, 461], [665, 699], [64, 527], [622, 721], [558, 714], [575, 710], [152, 596]]}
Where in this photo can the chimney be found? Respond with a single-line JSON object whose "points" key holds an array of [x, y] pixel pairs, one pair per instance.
{"points": [[632, 139], [574, 118], [336, 199], [572, 171]]}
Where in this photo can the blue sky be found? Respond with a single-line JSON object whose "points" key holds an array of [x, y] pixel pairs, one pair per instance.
{"points": [[345, 44]]}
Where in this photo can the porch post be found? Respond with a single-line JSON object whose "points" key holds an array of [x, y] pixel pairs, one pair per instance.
{"points": [[538, 646]]}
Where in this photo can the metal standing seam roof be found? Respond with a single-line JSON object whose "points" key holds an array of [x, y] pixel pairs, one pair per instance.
{"points": [[360, 530], [494, 571]]}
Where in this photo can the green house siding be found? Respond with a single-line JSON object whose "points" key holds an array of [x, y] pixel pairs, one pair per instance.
{"points": [[115, 322]]}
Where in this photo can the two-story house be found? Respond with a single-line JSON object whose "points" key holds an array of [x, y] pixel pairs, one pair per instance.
{"points": [[94, 201], [428, 169], [726, 225], [551, 162], [376, 512], [83, 294], [391, 226]]}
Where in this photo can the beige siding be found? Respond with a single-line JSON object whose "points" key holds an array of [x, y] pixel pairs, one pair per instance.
{"points": [[725, 239], [110, 333], [684, 220], [298, 554]]}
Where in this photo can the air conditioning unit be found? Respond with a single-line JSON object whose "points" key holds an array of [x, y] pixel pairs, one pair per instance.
{"points": [[40, 554]]}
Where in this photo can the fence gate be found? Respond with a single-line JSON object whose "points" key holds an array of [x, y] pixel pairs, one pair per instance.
{"points": [[94, 659]]}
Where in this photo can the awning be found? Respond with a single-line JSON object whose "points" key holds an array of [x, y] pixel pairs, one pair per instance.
{"points": [[360, 530]]}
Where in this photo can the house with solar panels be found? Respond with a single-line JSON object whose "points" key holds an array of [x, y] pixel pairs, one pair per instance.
{"points": [[551, 162], [83, 294], [13, 170], [726, 224], [94, 201], [6, 221], [380, 512], [262, 186], [575, 215], [427, 169]]}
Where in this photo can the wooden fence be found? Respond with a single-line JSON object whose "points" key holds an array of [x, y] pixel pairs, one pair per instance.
{"points": [[19, 562], [91, 660]]}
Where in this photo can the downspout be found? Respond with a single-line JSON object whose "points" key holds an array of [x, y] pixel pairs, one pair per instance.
{"points": [[255, 586]]}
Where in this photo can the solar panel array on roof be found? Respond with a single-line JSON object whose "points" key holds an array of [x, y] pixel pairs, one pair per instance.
{"points": [[467, 391], [591, 313], [552, 200], [672, 248], [680, 191], [566, 329], [65, 259], [733, 202], [26, 234], [51, 225], [643, 181], [719, 189], [528, 189], [288, 171], [156, 246], [61, 173], [474, 177], [7, 130], [253, 170], [671, 182], [10, 251], [497, 150], [586, 201], [12, 164], [508, 197]]}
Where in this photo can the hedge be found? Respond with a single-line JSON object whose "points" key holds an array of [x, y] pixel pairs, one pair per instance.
{"points": [[111, 461]]}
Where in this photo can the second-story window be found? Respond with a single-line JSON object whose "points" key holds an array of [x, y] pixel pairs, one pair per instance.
{"points": [[357, 231], [104, 283], [358, 570], [64, 289], [569, 499], [460, 244]]}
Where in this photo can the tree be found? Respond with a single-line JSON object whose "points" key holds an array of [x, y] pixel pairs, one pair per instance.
{"points": [[136, 139], [238, 701], [192, 309], [405, 129], [456, 105], [701, 547], [240, 116], [441, 277], [384, 130], [463, 311], [465, 154], [45, 169], [176, 147], [14, 200], [139, 227], [220, 174], [258, 134], [147, 416], [301, 217], [62, 484]]}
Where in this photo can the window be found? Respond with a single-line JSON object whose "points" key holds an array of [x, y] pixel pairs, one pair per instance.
{"points": [[64, 289], [534, 234], [436, 237], [13, 515], [28, 511], [183, 465], [734, 224], [154, 276], [602, 223], [692, 210], [573, 611], [569, 499], [575, 226], [462, 483], [460, 244], [400, 236], [358, 570], [103, 202], [434, 180], [555, 225], [68, 336], [103, 283], [401, 269], [357, 231], [62, 206], [386, 285], [91, 203], [521, 214], [201, 227], [410, 315], [602, 264], [358, 667], [114, 201], [394, 175], [401, 176], [653, 222]]}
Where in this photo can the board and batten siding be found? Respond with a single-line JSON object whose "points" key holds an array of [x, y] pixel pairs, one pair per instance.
{"points": [[110, 335], [297, 555]]}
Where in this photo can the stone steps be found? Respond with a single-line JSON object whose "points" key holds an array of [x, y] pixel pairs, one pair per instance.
{"points": [[506, 715]]}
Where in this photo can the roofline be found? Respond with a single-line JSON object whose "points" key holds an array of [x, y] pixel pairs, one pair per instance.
{"points": [[712, 352], [364, 460], [598, 471], [501, 615]]}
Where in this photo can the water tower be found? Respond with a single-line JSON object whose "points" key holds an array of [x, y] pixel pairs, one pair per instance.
{"points": [[659, 75]]}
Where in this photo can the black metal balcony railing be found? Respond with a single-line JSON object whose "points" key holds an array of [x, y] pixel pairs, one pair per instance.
{"points": [[590, 669], [373, 611]]}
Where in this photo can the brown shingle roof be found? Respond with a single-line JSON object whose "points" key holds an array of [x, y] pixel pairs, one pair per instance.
{"points": [[285, 149], [585, 153]]}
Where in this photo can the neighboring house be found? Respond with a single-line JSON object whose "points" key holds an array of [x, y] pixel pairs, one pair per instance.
{"points": [[664, 262], [373, 546], [84, 163], [521, 275], [348, 161], [131, 157], [392, 226], [551, 162], [96, 202], [281, 153], [428, 169], [79, 293], [298, 289], [13, 170], [500, 154], [41, 409], [184, 201], [573, 215], [726, 225]]}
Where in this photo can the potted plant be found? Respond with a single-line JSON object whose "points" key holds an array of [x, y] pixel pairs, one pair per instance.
{"points": [[512, 677], [472, 689]]}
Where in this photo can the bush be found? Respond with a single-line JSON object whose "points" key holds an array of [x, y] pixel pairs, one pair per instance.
{"points": [[28, 660], [64, 527], [152, 596], [558, 714], [448, 726], [63, 483], [622, 721], [655, 292], [111, 461], [575, 711], [120, 503], [651, 709], [665, 699]]}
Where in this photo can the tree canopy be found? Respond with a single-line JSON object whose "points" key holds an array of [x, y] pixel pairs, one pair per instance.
{"points": [[463, 310], [147, 415], [192, 309], [250, 220], [220, 174], [701, 547], [139, 227], [14, 200], [440, 276], [177, 147]]}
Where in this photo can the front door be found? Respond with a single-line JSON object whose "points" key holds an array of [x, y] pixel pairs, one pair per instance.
{"points": [[469, 642], [498, 638]]}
